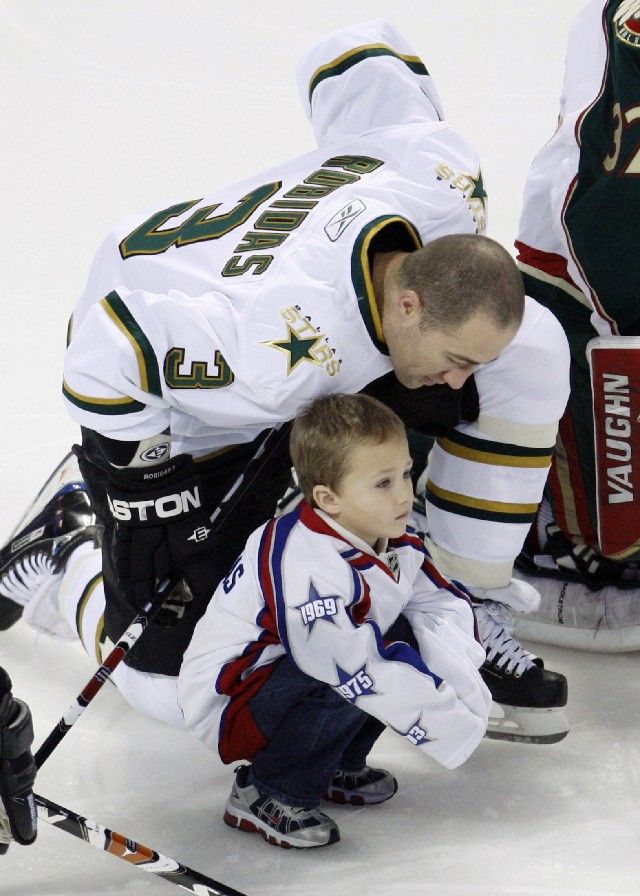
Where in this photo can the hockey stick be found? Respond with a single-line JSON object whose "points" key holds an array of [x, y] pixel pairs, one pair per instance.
{"points": [[103, 673], [136, 854], [142, 619]]}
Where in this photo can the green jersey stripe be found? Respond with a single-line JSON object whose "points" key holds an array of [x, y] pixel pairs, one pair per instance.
{"points": [[361, 273], [479, 508], [124, 405], [352, 57], [486, 452], [145, 355]]}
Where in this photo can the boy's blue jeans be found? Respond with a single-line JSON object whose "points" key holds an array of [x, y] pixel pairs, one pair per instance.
{"points": [[312, 732]]}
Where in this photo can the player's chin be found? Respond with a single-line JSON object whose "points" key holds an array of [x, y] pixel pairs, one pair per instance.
{"points": [[410, 382]]}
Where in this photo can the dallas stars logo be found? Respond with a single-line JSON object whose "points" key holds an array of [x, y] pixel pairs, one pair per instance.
{"points": [[478, 191], [473, 189], [299, 348]]}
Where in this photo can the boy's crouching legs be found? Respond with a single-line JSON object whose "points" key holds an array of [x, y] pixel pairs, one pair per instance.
{"points": [[317, 745]]}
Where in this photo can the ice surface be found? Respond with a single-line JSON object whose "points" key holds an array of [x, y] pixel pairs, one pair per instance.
{"points": [[106, 108]]}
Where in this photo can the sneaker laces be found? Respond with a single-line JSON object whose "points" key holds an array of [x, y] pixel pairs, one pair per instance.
{"points": [[20, 581], [496, 624]]}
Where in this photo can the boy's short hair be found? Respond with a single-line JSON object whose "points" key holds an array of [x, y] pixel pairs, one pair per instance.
{"points": [[324, 433]]}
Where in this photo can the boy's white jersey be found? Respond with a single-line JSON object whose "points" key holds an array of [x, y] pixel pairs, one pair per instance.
{"points": [[222, 315], [306, 588]]}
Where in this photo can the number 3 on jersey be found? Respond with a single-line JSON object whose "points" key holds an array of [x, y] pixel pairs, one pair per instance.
{"points": [[149, 239]]}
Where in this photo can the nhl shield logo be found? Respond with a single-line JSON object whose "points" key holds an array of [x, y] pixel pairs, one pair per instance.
{"points": [[626, 22]]}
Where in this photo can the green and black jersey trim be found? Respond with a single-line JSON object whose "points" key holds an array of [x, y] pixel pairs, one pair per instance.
{"points": [[361, 272], [101, 405], [479, 508], [100, 635], [148, 368], [497, 454], [352, 57]]}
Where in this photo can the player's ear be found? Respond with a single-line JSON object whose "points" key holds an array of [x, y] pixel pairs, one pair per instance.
{"points": [[326, 499], [409, 305]]}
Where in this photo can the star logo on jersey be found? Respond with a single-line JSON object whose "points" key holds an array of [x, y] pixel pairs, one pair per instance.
{"points": [[626, 21], [478, 191], [472, 186], [416, 734], [305, 342], [318, 607], [352, 685], [299, 348]]}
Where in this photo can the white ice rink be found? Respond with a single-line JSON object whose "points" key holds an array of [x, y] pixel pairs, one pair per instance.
{"points": [[108, 107]]}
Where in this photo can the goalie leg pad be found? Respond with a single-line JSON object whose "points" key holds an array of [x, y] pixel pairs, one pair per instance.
{"points": [[615, 382]]}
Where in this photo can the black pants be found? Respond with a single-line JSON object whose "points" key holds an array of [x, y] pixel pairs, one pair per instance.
{"points": [[312, 731]]}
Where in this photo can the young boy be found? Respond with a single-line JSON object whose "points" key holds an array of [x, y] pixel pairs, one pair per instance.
{"points": [[332, 625]]}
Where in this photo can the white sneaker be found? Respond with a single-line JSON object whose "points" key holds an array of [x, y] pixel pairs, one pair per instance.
{"points": [[277, 823], [363, 788]]}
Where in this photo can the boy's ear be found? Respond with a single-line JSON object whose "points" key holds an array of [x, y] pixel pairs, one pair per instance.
{"points": [[326, 499]]}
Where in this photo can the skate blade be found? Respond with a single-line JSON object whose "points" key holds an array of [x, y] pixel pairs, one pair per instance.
{"points": [[527, 725]]}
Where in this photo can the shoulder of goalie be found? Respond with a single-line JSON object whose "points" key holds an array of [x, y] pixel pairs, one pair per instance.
{"points": [[161, 525], [17, 769]]}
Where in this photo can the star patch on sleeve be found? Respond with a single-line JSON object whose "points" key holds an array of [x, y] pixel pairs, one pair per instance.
{"points": [[318, 607], [352, 685]]}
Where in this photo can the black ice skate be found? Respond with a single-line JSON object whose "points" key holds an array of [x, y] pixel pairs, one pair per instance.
{"points": [[32, 560], [528, 700]]}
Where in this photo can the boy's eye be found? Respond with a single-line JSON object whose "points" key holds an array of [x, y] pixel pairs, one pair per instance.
{"points": [[383, 483], [407, 473]]}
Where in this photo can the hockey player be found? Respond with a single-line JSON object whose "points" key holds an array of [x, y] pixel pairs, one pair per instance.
{"points": [[18, 818], [290, 666], [577, 254], [209, 322]]}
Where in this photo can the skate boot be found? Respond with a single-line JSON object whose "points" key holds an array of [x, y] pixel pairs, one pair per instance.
{"points": [[33, 559], [277, 823], [363, 788], [528, 700]]}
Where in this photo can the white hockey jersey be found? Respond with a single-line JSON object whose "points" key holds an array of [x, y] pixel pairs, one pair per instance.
{"points": [[579, 227], [220, 316], [307, 588]]}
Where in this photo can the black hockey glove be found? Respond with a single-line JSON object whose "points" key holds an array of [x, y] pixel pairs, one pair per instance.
{"points": [[161, 530], [18, 819]]}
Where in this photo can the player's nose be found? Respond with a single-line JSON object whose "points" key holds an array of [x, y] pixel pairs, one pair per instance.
{"points": [[457, 377]]}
